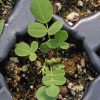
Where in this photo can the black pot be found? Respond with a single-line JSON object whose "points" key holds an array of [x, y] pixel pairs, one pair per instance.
{"points": [[87, 30]]}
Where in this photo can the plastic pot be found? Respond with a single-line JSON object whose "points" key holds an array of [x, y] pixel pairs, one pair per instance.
{"points": [[87, 30]]}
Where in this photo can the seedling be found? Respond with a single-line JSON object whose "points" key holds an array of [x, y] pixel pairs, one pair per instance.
{"points": [[53, 77], [23, 49], [52, 69]]}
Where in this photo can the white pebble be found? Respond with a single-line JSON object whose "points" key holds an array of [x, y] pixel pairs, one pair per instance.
{"points": [[79, 68], [58, 5], [72, 16], [70, 85], [83, 62], [77, 88], [80, 3], [14, 59], [31, 86]]}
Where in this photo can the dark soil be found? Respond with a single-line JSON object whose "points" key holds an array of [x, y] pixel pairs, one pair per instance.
{"points": [[6, 8], [23, 77], [81, 7]]}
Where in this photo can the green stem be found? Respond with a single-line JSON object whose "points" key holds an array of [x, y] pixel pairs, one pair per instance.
{"points": [[47, 29], [51, 69], [47, 26]]}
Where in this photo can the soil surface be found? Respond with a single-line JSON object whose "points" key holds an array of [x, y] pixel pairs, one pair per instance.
{"points": [[73, 10], [6, 8], [23, 77]]}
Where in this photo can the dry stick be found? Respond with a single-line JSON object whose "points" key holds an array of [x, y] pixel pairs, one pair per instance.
{"points": [[27, 94]]}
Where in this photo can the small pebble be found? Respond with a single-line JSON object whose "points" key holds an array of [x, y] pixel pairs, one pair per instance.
{"points": [[70, 23], [72, 16], [84, 70], [57, 7], [77, 88], [73, 92], [14, 59], [80, 3], [83, 62], [31, 87], [75, 75], [38, 63], [79, 69], [70, 85], [60, 97], [63, 90], [24, 68], [23, 75], [88, 11], [90, 78]]}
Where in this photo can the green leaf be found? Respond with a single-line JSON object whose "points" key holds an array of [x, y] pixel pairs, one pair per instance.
{"points": [[42, 10], [37, 30], [34, 46], [22, 49], [41, 95], [61, 36], [44, 48], [55, 27], [52, 90], [1, 25], [53, 43], [1, 1], [58, 73], [64, 45], [58, 66], [56, 77], [59, 80], [32, 56]]}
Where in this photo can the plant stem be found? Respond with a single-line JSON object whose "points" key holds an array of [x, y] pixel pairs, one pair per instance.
{"points": [[47, 26], [47, 29], [51, 69], [40, 59]]}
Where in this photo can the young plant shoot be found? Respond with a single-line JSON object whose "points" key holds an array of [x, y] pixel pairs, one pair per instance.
{"points": [[52, 69]]}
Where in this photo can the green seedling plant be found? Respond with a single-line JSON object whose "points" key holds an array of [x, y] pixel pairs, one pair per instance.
{"points": [[53, 76], [52, 69]]}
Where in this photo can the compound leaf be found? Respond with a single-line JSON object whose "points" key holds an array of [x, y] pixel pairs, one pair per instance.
{"points": [[22, 49], [56, 77]]}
